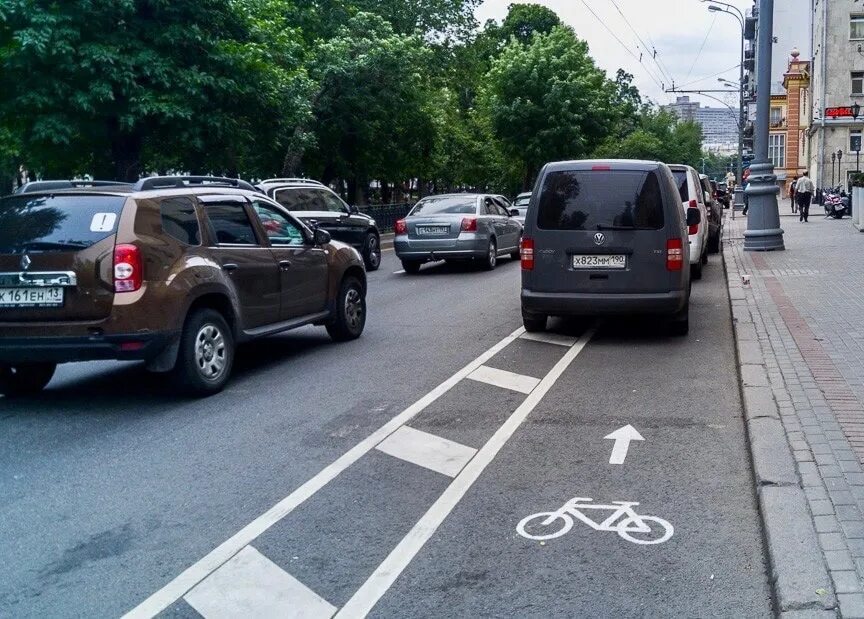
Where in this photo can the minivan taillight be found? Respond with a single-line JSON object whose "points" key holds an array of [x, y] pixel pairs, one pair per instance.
{"points": [[693, 229], [674, 255], [469, 224], [128, 271], [526, 253], [401, 227]]}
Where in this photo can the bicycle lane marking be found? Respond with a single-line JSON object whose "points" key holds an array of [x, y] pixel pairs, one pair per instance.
{"points": [[365, 599], [194, 574]]}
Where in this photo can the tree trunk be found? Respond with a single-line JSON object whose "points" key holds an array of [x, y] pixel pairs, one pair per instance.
{"points": [[126, 155], [386, 193]]}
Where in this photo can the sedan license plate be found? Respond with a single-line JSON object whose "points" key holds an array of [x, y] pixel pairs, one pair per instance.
{"points": [[31, 297], [432, 230], [601, 261]]}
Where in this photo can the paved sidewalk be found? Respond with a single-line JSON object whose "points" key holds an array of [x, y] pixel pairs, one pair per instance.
{"points": [[800, 333]]}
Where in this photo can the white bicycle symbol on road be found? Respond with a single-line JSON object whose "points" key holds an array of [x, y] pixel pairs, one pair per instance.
{"points": [[624, 521]]}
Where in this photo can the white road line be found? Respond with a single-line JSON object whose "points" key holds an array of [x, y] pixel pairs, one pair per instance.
{"points": [[550, 338], [504, 379], [197, 572], [251, 585], [427, 450], [398, 272], [365, 599]]}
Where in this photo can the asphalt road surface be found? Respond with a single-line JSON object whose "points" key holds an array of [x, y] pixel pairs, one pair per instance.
{"points": [[396, 475]]}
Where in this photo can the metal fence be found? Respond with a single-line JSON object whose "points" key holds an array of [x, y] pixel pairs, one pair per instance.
{"points": [[386, 215]]}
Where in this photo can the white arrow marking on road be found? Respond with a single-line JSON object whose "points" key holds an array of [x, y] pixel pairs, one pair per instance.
{"points": [[622, 438]]}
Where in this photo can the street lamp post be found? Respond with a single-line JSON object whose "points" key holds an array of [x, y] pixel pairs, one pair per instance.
{"points": [[763, 225], [833, 159], [839, 170], [716, 6]]}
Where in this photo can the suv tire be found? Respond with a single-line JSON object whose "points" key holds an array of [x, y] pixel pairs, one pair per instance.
{"points": [[206, 353], [411, 266], [534, 323], [25, 379], [372, 252], [349, 317], [696, 270], [491, 258]]}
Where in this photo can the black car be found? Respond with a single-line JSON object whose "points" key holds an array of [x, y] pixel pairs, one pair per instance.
{"points": [[314, 202]]}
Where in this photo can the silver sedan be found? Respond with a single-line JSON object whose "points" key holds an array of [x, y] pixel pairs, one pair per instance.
{"points": [[464, 226]]}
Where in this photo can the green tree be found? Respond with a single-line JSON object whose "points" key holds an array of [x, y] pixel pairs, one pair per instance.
{"points": [[524, 20], [548, 100], [659, 136]]}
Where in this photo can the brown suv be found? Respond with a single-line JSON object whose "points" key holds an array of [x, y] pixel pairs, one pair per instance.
{"points": [[173, 271]]}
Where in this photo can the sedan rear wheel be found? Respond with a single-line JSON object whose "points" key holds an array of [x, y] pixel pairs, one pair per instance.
{"points": [[491, 259], [25, 379]]}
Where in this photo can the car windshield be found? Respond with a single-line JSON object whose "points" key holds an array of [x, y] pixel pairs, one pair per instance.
{"points": [[445, 204], [681, 181], [56, 222], [599, 200], [522, 201]]}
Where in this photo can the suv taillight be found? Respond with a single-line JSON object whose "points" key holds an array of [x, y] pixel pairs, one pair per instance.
{"points": [[469, 224], [674, 255], [526, 253], [401, 227], [128, 271], [693, 229]]}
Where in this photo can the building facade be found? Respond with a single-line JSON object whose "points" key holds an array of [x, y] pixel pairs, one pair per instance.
{"points": [[836, 91], [789, 122], [719, 125]]}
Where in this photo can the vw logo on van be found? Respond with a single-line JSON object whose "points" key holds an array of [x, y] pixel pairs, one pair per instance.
{"points": [[599, 238]]}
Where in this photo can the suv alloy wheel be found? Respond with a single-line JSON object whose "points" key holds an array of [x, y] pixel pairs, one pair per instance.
{"points": [[372, 252], [349, 317], [206, 353]]}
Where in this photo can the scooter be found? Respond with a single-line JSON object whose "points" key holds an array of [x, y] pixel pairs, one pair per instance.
{"points": [[835, 205]]}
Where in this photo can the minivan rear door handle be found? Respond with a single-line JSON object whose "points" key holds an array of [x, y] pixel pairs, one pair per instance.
{"points": [[230, 267], [284, 264]]}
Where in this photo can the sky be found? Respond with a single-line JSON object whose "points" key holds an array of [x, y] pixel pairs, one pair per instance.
{"points": [[677, 29]]}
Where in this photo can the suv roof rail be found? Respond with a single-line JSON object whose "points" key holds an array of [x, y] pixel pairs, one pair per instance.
{"points": [[167, 182], [46, 185], [304, 181]]}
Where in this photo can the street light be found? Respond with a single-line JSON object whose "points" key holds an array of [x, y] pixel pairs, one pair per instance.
{"points": [[839, 171], [715, 6], [833, 159]]}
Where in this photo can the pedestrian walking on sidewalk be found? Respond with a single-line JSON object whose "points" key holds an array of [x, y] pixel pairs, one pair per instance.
{"points": [[792, 195], [804, 194]]}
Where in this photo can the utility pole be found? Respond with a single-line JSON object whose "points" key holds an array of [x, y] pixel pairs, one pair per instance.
{"points": [[763, 222]]}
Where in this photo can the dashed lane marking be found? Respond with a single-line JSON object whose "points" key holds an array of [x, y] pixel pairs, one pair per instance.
{"points": [[427, 450], [365, 599], [251, 585], [550, 338], [504, 379], [194, 574]]}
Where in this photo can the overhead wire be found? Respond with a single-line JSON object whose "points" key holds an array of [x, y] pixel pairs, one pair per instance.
{"points": [[626, 48], [701, 47], [708, 77], [650, 50]]}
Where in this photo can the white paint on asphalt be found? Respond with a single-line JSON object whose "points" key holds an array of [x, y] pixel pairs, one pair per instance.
{"points": [[551, 338], [504, 379], [365, 599], [399, 272], [427, 450], [191, 576], [624, 521], [251, 585], [622, 437]]}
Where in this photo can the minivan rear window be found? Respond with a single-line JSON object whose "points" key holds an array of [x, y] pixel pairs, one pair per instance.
{"points": [[48, 223], [681, 180], [598, 200]]}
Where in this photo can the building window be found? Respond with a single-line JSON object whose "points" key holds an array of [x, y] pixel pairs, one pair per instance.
{"points": [[858, 82], [856, 29], [854, 140], [777, 149]]}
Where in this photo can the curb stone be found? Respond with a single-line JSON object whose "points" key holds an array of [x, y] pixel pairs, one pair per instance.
{"points": [[798, 575]]}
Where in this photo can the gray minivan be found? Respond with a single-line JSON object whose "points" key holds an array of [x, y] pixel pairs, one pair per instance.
{"points": [[606, 237]]}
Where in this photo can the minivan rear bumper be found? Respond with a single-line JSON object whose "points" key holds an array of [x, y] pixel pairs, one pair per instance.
{"points": [[595, 304], [131, 347]]}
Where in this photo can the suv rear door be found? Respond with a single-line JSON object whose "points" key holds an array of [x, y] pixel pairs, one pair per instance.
{"points": [[56, 256], [600, 231], [244, 258]]}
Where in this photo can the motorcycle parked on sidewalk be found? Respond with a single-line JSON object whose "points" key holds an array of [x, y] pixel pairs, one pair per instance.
{"points": [[836, 204]]}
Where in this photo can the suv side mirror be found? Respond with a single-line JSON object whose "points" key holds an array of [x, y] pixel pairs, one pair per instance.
{"points": [[514, 212], [320, 237], [353, 210], [694, 217]]}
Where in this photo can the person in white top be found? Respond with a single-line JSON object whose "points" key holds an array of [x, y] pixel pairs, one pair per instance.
{"points": [[804, 194]]}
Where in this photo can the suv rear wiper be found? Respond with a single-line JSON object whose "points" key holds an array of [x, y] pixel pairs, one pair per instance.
{"points": [[605, 227]]}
